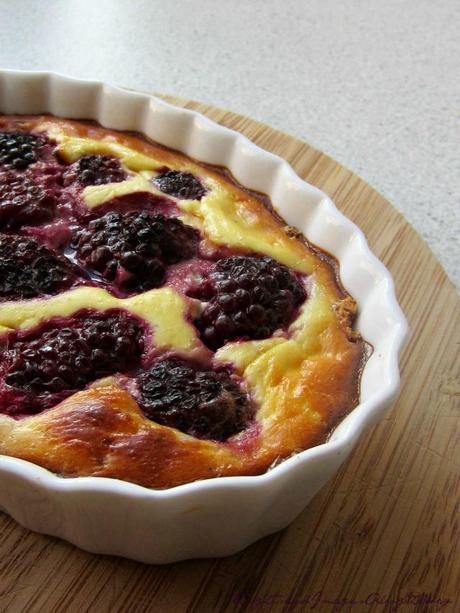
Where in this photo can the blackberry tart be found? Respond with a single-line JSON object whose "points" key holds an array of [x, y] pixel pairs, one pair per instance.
{"points": [[159, 323]]}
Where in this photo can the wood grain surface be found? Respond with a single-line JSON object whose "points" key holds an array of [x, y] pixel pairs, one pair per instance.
{"points": [[385, 530]]}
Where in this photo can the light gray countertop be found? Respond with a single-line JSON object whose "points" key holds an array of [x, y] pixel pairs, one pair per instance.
{"points": [[374, 84]]}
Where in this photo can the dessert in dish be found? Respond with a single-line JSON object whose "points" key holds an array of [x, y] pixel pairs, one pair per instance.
{"points": [[159, 323]]}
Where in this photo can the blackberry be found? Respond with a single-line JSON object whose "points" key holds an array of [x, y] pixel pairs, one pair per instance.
{"points": [[180, 185], [64, 356], [95, 170], [28, 269], [203, 403], [19, 150], [131, 249], [247, 297], [26, 199]]}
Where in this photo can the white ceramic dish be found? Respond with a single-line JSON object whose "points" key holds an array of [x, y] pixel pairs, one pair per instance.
{"points": [[219, 516]]}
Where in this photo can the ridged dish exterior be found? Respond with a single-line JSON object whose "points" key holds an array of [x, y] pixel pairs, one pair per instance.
{"points": [[223, 515]]}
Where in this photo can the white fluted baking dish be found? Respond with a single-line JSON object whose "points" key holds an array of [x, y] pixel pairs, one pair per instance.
{"points": [[222, 515]]}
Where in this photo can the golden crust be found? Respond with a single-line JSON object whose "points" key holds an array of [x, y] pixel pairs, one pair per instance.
{"points": [[303, 383]]}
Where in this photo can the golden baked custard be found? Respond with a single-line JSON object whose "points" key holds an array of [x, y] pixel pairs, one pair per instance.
{"points": [[159, 323]]}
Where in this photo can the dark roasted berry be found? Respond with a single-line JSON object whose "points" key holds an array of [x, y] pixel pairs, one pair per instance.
{"points": [[28, 269], [131, 249], [180, 185], [247, 297], [19, 150], [203, 403], [95, 170], [26, 199], [64, 356]]}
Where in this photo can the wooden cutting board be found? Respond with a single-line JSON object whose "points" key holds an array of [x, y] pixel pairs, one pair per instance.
{"points": [[386, 528]]}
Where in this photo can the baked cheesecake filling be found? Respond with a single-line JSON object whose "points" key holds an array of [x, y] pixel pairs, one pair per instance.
{"points": [[144, 293], [116, 222]]}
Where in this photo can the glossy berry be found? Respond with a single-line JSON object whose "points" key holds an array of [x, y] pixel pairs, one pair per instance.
{"points": [[180, 185], [203, 403], [131, 249], [26, 199], [19, 150], [28, 269], [247, 297], [95, 170], [66, 356]]}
